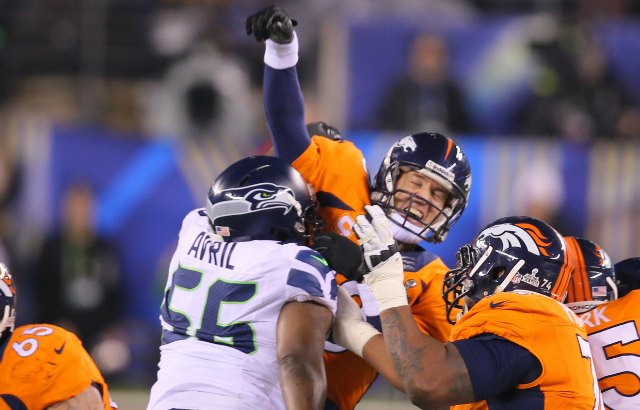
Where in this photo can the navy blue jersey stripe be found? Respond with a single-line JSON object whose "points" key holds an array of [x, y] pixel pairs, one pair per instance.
{"points": [[313, 258], [305, 281], [329, 200], [13, 402]]}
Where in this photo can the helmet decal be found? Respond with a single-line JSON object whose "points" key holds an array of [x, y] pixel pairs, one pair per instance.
{"points": [[602, 257], [407, 143], [441, 171], [511, 254], [541, 240], [532, 279], [594, 279], [449, 146], [441, 160], [517, 236], [261, 196]]}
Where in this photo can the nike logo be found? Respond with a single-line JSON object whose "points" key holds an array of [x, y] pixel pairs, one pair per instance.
{"points": [[59, 351], [496, 304], [321, 260]]}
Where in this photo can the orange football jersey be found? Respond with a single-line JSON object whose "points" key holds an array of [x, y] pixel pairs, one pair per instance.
{"points": [[337, 172], [424, 290], [44, 364], [552, 333], [614, 337]]}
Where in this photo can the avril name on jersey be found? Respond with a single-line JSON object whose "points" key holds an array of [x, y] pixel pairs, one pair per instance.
{"points": [[217, 253]]}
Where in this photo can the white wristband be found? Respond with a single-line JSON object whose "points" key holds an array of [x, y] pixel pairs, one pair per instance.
{"points": [[349, 328], [281, 56], [358, 336]]}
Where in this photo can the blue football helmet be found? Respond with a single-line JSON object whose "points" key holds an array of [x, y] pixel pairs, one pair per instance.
{"points": [[628, 275], [261, 198], [512, 254], [436, 157], [7, 302], [594, 279]]}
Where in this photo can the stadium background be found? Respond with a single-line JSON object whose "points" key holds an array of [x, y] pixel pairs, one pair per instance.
{"points": [[95, 91]]}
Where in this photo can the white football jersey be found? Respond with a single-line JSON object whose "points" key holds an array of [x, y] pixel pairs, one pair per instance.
{"points": [[219, 314]]}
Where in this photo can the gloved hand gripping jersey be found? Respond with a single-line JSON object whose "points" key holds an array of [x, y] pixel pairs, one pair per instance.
{"points": [[383, 262]]}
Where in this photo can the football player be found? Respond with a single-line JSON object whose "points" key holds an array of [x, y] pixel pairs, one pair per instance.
{"points": [[423, 185], [514, 345], [242, 288], [612, 324], [44, 366]]}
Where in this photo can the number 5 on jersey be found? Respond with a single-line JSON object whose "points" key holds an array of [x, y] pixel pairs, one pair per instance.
{"points": [[194, 303]]}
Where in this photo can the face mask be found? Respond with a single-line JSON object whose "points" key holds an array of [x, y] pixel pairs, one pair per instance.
{"points": [[407, 233]]}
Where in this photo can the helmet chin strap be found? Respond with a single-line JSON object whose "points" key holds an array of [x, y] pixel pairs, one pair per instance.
{"points": [[407, 233], [5, 319], [613, 286]]}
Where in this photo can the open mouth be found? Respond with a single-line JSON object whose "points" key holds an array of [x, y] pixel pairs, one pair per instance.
{"points": [[416, 213]]}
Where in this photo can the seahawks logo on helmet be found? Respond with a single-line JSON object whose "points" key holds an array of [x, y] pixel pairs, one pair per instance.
{"points": [[257, 198], [517, 236]]}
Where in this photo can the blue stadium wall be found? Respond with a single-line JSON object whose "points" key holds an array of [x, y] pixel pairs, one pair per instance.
{"points": [[143, 194]]}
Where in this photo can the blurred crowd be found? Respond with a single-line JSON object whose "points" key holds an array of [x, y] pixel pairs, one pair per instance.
{"points": [[184, 70]]}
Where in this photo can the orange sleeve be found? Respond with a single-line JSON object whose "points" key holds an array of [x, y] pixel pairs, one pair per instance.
{"points": [[45, 364], [424, 290], [348, 378], [337, 172], [548, 330], [479, 405]]}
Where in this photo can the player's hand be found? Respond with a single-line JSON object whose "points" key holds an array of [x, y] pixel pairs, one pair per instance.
{"points": [[271, 23], [323, 129], [376, 238], [383, 262], [349, 329], [344, 256]]}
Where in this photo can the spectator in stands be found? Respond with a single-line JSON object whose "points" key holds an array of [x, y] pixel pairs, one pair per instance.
{"points": [[77, 276], [425, 98], [576, 95]]}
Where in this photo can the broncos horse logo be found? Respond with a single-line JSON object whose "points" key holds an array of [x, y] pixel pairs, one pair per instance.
{"points": [[522, 235], [604, 261], [407, 144], [258, 197]]}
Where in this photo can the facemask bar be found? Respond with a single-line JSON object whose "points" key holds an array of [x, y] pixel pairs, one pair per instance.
{"points": [[434, 230], [455, 285]]}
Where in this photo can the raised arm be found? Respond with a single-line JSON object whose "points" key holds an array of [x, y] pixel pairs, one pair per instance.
{"points": [[301, 332], [282, 98]]}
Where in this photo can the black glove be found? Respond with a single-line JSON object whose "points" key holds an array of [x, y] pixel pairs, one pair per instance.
{"points": [[272, 22], [324, 130], [344, 256]]}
